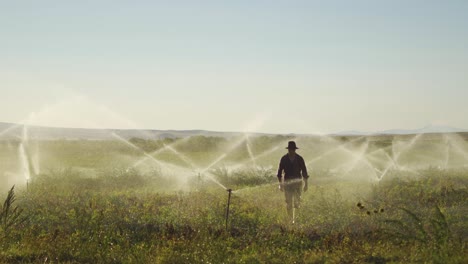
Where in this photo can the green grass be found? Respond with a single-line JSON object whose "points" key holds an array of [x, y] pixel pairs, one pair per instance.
{"points": [[88, 205], [130, 218]]}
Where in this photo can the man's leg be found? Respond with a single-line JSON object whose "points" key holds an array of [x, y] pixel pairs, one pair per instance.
{"points": [[288, 194], [297, 195]]}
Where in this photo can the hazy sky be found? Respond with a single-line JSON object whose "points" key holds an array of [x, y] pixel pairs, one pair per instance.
{"points": [[272, 66]]}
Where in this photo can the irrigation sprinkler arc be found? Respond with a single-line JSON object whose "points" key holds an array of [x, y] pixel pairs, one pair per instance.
{"points": [[160, 163], [224, 155], [183, 157], [249, 150], [144, 159], [457, 147], [355, 160], [363, 154], [261, 155], [389, 159], [336, 148], [214, 162], [15, 126], [396, 156], [25, 166], [209, 175], [360, 157]]}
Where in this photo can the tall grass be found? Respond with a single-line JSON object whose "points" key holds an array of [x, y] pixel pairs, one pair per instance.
{"points": [[10, 215], [126, 216]]}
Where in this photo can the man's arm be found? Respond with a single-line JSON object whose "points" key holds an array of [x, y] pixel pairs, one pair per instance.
{"points": [[280, 174], [305, 175], [280, 170]]}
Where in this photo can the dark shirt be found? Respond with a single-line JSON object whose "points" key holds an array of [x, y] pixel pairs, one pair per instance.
{"points": [[292, 168]]}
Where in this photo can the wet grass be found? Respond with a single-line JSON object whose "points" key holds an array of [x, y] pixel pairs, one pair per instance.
{"points": [[120, 216], [90, 204]]}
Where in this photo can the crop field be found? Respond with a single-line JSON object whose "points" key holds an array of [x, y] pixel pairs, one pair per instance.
{"points": [[371, 199]]}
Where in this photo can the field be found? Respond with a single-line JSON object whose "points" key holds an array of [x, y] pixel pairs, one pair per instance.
{"points": [[375, 199]]}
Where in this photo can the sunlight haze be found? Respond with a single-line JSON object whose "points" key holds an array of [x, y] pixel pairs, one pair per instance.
{"points": [[267, 66]]}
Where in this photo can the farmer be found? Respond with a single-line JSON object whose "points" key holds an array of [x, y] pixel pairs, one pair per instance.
{"points": [[295, 178]]}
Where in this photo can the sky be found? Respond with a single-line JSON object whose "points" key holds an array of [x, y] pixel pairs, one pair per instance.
{"points": [[265, 66]]}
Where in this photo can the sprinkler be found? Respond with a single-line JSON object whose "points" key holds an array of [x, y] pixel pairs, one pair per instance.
{"points": [[227, 208]]}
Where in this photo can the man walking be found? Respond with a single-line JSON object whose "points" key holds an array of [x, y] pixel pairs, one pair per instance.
{"points": [[295, 178]]}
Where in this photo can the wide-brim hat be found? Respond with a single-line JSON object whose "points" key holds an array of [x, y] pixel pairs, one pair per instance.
{"points": [[292, 145]]}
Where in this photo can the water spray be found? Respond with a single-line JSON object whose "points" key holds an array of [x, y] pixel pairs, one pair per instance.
{"points": [[227, 208], [24, 162]]}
